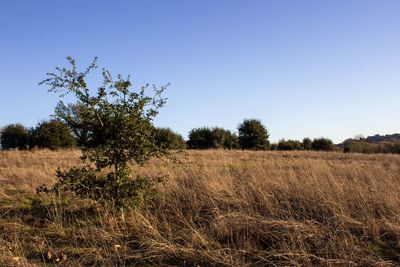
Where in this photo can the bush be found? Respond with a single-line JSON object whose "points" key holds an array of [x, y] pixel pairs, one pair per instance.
{"points": [[120, 132], [307, 143], [322, 144], [289, 145], [253, 135], [52, 134], [200, 138], [221, 138], [205, 138], [168, 139], [73, 115], [14, 136]]}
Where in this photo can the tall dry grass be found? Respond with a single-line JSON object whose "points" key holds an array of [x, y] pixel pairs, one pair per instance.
{"points": [[222, 208]]}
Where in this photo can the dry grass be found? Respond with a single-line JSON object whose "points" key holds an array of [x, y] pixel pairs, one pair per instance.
{"points": [[225, 208]]}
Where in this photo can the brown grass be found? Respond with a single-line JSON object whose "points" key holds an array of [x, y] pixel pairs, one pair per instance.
{"points": [[223, 208]]}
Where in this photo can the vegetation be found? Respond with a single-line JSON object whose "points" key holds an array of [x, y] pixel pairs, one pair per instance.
{"points": [[73, 115], [217, 208], [51, 134], [253, 135], [120, 132], [165, 138], [14, 136], [289, 145], [322, 144], [205, 138]]}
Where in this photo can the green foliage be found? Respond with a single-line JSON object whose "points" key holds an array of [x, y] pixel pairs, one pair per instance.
{"points": [[289, 145], [14, 136], [73, 116], [307, 143], [200, 138], [322, 144], [253, 135], [87, 182], [205, 138], [363, 146], [52, 134], [222, 138], [168, 139], [119, 130]]}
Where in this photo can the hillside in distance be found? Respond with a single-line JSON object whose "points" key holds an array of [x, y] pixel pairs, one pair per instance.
{"points": [[376, 139]]}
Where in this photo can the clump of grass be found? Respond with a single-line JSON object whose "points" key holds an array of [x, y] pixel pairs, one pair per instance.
{"points": [[225, 208]]}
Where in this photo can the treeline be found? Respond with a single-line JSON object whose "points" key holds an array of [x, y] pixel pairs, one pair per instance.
{"points": [[62, 133], [54, 134], [363, 146]]}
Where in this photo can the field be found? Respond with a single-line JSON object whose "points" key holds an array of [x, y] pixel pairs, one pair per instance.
{"points": [[223, 208]]}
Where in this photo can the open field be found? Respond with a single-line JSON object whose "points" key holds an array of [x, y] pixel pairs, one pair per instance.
{"points": [[225, 208]]}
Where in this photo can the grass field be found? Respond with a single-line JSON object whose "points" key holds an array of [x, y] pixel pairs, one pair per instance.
{"points": [[223, 208]]}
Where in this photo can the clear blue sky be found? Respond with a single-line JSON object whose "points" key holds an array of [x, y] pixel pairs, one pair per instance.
{"points": [[305, 68]]}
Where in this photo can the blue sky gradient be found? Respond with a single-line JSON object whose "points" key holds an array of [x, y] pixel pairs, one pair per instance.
{"points": [[305, 68]]}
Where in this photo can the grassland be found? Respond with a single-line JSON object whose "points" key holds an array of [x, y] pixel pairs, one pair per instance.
{"points": [[223, 208]]}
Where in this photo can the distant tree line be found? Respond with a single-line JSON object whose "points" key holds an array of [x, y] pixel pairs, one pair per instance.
{"points": [[67, 131], [54, 134], [363, 146]]}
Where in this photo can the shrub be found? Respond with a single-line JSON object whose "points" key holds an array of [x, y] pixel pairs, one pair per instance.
{"points": [[14, 136], [322, 144], [52, 134], [120, 132], [290, 145], [168, 139], [205, 138], [200, 138], [253, 135], [307, 143], [73, 116]]}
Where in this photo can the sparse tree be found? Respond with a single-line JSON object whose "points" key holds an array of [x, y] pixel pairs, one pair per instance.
{"points": [[73, 116], [120, 132]]}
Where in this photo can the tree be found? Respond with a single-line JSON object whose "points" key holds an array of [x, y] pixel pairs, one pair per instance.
{"points": [[73, 116], [322, 144], [222, 138], [206, 138], [307, 143], [14, 136], [289, 145], [168, 139], [52, 134], [120, 132], [200, 138], [253, 135]]}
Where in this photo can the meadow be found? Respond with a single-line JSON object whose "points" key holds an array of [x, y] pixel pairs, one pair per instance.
{"points": [[212, 208]]}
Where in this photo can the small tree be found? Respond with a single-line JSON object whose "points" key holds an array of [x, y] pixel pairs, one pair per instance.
{"points": [[289, 145], [322, 144], [14, 136], [253, 135], [307, 143], [222, 138], [120, 132], [200, 138], [168, 139], [52, 134], [73, 116]]}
